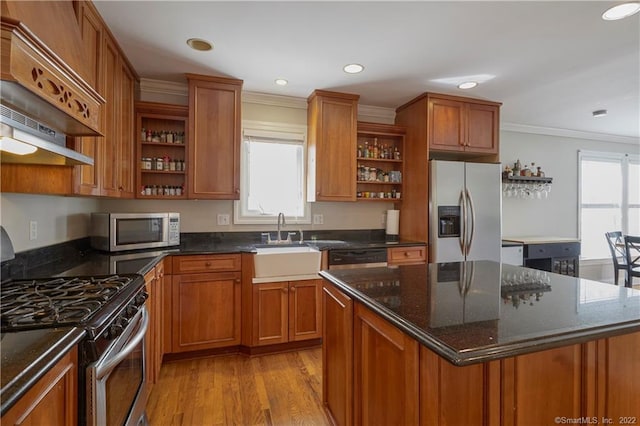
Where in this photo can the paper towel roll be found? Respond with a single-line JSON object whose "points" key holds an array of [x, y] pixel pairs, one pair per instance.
{"points": [[393, 222]]}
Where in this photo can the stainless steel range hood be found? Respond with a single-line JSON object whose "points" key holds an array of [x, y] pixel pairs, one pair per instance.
{"points": [[38, 143]]}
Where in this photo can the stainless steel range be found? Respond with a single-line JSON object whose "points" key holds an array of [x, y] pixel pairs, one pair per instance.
{"points": [[112, 311]]}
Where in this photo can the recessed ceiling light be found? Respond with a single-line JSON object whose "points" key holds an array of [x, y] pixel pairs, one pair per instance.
{"points": [[467, 85], [281, 82], [353, 68], [199, 44], [621, 11], [599, 113]]}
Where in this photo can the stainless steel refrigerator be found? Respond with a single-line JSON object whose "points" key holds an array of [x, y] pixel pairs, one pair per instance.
{"points": [[465, 209]]}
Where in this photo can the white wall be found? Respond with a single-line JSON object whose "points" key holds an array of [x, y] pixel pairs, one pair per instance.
{"points": [[558, 157], [557, 215], [59, 219]]}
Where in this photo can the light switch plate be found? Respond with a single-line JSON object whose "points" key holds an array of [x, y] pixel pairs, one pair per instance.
{"points": [[223, 219], [33, 230], [318, 219]]}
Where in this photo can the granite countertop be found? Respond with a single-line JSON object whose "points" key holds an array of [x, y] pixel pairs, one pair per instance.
{"points": [[501, 310], [28, 355]]}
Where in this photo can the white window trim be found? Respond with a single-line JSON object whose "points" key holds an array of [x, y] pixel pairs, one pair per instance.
{"points": [[605, 155], [280, 131]]}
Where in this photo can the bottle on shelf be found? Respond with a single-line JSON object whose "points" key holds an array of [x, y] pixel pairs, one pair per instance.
{"points": [[376, 152], [366, 149]]}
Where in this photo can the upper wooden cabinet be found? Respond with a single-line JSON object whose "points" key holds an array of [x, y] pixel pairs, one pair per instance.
{"points": [[468, 126], [112, 174], [214, 138], [332, 146], [444, 127]]}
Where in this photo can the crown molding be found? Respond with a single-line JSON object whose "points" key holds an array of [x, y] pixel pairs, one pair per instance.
{"points": [[567, 133], [148, 85]]}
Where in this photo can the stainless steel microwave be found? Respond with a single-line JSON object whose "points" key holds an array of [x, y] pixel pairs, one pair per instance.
{"points": [[131, 231]]}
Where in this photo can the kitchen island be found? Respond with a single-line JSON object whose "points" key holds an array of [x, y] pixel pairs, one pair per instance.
{"points": [[474, 343]]}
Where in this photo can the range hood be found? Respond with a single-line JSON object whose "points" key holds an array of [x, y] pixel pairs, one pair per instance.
{"points": [[27, 141], [43, 99]]}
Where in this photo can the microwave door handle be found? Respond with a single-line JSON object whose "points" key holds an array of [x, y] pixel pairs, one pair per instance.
{"points": [[462, 202], [106, 368], [473, 221]]}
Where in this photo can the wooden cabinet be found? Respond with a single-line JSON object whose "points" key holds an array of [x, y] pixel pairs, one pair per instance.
{"points": [[52, 400], [337, 355], [451, 395], [415, 255], [441, 127], [559, 257], [112, 174], [214, 138], [286, 311], [385, 372], [461, 125], [161, 134], [154, 343], [205, 305], [379, 162], [331, 146]]}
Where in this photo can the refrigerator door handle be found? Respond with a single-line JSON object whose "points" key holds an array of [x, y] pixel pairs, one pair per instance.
{"points": [[462, 202], [473, 221]]}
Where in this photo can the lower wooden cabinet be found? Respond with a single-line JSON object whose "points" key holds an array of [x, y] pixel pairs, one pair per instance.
{"points": [[415, 255], [286, 311], [375, 374], [154, 343], [53, 400], [385, 365], [206, 311], [337, 355]]}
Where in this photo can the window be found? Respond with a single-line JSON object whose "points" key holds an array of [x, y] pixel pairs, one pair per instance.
{"points": [[272, 179], [609, 199]]}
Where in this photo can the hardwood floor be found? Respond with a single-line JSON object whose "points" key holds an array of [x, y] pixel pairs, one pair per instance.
{"points": [[280, 389]]}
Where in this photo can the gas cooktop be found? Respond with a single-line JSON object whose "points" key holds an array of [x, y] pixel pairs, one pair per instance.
{"points": [[54, 302]]}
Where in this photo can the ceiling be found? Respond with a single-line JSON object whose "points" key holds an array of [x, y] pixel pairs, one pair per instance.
{"points": [[552, 63]]}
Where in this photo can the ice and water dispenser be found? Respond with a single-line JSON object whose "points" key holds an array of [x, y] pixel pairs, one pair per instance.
{"points": [[448, 221]]}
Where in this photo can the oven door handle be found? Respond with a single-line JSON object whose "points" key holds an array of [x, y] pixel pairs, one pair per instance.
{"points": [[107, 367]]}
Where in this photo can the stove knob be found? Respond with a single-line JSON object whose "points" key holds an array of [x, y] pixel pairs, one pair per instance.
{"points": [[141, 297], [131, 311], [115, 330]]}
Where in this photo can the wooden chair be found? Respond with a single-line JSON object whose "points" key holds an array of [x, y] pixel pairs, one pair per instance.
{"points": [[632, 248], [618, 254]]}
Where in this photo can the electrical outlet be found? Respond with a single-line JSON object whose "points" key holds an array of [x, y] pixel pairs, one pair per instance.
{"points": [[33, 230], [318, 219], [223, 219]]}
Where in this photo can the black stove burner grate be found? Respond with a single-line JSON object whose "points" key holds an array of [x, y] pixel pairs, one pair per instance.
{"points": [[38, 303]]}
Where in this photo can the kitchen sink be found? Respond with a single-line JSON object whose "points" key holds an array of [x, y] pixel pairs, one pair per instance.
{"points": [[286, 263]]}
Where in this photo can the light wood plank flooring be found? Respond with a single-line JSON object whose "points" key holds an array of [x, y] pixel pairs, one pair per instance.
{"points": [[280, 389]]}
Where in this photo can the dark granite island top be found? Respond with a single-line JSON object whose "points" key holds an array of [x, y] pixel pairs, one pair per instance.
{"points": [[472, 312]]}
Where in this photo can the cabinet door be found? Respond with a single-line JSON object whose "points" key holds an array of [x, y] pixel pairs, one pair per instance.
{"points": [[52, 400], [446, 125], [125, 135], [214, 138], [87, 178], [482, 128], [206, 311], [305, 317], [151, 337], [332, 122], [111, 92], [159, 320], [386, 372], [270, 313], [337, 355]]}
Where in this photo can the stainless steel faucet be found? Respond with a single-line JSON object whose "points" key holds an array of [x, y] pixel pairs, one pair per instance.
{"points": [[280, 215]]}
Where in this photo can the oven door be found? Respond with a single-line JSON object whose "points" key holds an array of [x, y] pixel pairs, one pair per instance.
{"points": [[116, 382]]}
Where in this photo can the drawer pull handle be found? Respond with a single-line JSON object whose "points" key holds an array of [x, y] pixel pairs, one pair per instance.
{"points": [[407, 254], [207, 264], [284, 290], [293, 288]]}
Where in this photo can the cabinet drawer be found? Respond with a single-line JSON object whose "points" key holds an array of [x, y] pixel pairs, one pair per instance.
{"points": [[407, 255], [206, 263], [543, 251]]}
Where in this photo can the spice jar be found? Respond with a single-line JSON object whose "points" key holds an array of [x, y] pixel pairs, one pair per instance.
{"points": [[159, 163]]}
